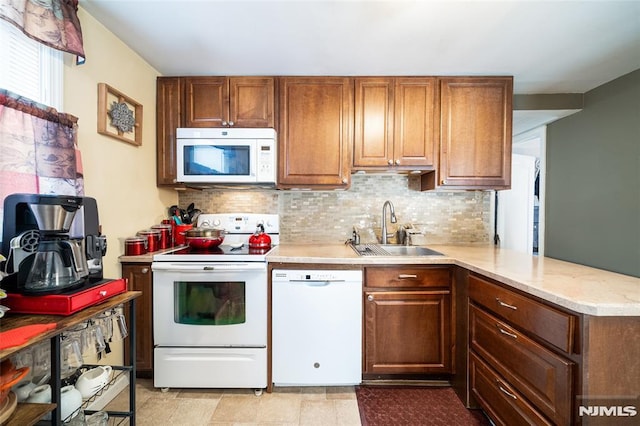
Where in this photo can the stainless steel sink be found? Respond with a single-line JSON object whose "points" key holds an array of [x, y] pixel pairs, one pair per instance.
{"points": [[393, 250]]}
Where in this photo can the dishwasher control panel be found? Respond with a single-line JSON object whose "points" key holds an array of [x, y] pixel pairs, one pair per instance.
{"points": [[315, 275]]}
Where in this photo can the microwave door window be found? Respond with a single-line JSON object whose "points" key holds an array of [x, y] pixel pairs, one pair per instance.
{"points": [[223, 160], [210, 303]]}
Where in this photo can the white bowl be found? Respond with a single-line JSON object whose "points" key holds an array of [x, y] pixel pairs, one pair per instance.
{"points": [[91, 381], [40, 395], [70, 401]]}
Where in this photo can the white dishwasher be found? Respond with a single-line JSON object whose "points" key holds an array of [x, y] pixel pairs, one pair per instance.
{"points": [[316, 327]]}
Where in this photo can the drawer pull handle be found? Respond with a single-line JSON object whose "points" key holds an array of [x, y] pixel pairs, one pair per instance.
{"points": [[144, 270], [515, 336], [506, 392], [506, 305], [407, 277]]}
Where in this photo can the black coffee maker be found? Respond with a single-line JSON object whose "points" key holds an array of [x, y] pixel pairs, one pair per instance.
{"points": [[52, 242]]}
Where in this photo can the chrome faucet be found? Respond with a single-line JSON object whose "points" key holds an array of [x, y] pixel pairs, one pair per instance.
{"points": [[384, 236]]}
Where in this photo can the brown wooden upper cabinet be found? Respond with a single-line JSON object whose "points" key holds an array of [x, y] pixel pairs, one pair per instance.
{"points": [[315, 125], [395, 120], [169, 111], [207, 102], [475, 132], [229, 102]]}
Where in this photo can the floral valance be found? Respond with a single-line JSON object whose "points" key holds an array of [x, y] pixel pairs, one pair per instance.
{"points": [[39, 149], [54, 23], [26, 105]]}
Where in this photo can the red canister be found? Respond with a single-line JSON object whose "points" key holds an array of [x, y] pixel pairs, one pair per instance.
{"points": [[135, 246], [153, 239], [166, 240]]}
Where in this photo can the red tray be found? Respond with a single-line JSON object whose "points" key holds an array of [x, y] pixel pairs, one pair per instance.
{"points": [[65, 304]]}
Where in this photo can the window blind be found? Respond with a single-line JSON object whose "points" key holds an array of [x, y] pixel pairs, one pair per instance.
{"points": [[29, 68]]}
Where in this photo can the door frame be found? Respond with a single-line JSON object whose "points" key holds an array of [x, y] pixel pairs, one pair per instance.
{"points": [[540, 134]]}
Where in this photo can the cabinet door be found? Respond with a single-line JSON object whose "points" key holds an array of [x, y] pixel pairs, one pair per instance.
{"points": [[395, 122], [140, 278], [251, 102], [407, 332], [475, 132], [373, 133], [169, 92], [206, 101], [315, 124], [415, 121]]}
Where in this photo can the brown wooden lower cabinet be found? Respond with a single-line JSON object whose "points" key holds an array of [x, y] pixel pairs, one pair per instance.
{"points": [[140, 278], [504, 405], [408, 320], [539, 374], [407, 332]]}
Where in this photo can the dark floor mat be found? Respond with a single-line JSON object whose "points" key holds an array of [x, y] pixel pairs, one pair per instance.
{"points": [[391, 406]]}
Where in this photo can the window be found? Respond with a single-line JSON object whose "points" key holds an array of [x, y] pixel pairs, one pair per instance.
{"points": [[29, 68]]}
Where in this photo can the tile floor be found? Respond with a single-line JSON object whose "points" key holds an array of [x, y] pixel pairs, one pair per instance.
{"points": [[284, 406]]}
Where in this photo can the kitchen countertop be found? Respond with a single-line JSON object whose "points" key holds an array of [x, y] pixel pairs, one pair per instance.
{"points": [[576, 287]]}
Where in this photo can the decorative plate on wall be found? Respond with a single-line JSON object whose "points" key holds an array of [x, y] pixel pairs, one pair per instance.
{"points": [[119, 116]]}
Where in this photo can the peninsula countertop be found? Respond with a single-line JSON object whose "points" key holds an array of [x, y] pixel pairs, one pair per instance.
{"points": [[580, 288]]}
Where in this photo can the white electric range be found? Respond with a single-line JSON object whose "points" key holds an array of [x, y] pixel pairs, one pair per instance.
{"points": [[210, 309]]}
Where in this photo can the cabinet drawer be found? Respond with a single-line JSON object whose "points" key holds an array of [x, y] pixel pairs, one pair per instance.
{"points": [[543, 377], [504, 405], [545, 322], [407, 277]]}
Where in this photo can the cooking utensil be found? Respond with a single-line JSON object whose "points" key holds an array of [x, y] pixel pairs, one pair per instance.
{"points": [[259, 240], [184, 216], [204, 238], [193, 215]]}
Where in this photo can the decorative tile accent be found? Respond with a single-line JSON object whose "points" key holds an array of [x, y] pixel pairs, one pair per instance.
{"points": [[327, 217]]}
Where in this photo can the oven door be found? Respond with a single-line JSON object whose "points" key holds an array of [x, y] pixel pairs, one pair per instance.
{"points": [[200, 304]]}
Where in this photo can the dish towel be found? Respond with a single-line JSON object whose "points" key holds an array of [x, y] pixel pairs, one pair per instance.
{"points": [[21, 335]]}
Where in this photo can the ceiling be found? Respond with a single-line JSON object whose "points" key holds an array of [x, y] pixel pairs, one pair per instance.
{"points": [[552, 46]]}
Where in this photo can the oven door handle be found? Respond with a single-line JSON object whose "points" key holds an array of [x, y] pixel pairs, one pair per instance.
{"points": [[207, 267]]}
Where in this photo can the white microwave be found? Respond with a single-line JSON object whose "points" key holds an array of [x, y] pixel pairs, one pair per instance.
{"points": [[226, 155]]}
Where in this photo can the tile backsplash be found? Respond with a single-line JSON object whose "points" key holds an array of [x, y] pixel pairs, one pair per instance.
{"points": [[329, 216]]}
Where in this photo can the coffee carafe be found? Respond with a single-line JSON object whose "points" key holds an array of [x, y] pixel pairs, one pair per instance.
{"points": [[60, 262]]}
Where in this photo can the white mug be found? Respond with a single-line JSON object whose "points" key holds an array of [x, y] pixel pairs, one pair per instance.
{"points": [[91, 381], [70, 401], [23, 389]]}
